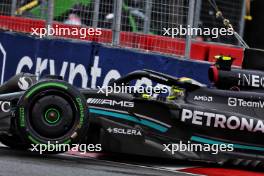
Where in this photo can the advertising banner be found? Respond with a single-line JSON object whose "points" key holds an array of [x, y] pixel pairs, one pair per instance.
{"points": [[85, 64]]}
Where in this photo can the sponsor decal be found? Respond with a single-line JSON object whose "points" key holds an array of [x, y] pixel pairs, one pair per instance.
{"points": [[22, 116], [244, 103], [24, 83], [67, 69], [129, 132], [232, 102], [5, 106], [250, 80], [81, 108], [109, 102], [203, 98], [221, 121], [72, 71]]}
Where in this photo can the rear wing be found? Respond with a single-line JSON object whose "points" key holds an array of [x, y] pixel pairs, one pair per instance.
{"points": [[250, 77]]}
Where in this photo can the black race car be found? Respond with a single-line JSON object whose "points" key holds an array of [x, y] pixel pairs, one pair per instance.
{"points": [[194, 122]]}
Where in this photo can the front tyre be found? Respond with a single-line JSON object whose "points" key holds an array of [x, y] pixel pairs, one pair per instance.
{"points": [[52, 112]]}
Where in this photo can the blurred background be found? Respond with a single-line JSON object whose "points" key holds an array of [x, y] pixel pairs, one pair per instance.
{"points": [[136, 24]]}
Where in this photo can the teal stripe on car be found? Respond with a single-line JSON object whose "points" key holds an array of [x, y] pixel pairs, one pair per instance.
{"points": [[130, 118], [238, 146]]}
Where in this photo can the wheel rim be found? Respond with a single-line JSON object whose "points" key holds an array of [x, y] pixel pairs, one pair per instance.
{"points": [[52, 116]]}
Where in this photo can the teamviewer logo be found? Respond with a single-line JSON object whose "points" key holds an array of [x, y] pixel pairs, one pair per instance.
{"points": [[232, 102]]}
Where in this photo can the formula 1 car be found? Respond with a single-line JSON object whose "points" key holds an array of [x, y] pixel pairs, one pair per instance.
{"points": [[51, 110]]}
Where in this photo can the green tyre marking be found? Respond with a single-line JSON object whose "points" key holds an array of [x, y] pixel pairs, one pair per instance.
{"points": [[79, 101], [33, 140], [22, 116], [67, 141], [45, 85]]}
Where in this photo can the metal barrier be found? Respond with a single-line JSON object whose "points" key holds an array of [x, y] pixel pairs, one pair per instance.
{"points": [[138, 24]]}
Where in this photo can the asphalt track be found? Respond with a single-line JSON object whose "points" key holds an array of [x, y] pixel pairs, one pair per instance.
{"points": [[30, 164], [20, 163]]}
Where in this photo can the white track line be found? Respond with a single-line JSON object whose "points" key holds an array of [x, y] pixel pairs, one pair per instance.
{"points": [[177, 168], [169, 169]]}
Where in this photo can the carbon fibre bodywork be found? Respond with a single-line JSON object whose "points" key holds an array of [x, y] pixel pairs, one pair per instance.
{"points": [[201, 115], [151, 126]]}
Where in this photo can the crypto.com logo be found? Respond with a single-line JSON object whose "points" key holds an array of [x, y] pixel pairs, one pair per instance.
{"points": [[3, 52]]}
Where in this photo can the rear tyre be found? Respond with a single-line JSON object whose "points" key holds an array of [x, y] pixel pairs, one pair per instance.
{"points": [[52, 113]]}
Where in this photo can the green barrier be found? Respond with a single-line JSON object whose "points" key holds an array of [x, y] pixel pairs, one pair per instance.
{"points": [[61, 6]]}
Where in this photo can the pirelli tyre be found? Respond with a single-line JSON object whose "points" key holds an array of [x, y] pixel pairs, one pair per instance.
{"points": [[52, 113]]}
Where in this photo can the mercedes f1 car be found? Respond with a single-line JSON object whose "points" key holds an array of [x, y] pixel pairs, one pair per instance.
{"points": [[51, 110]]}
